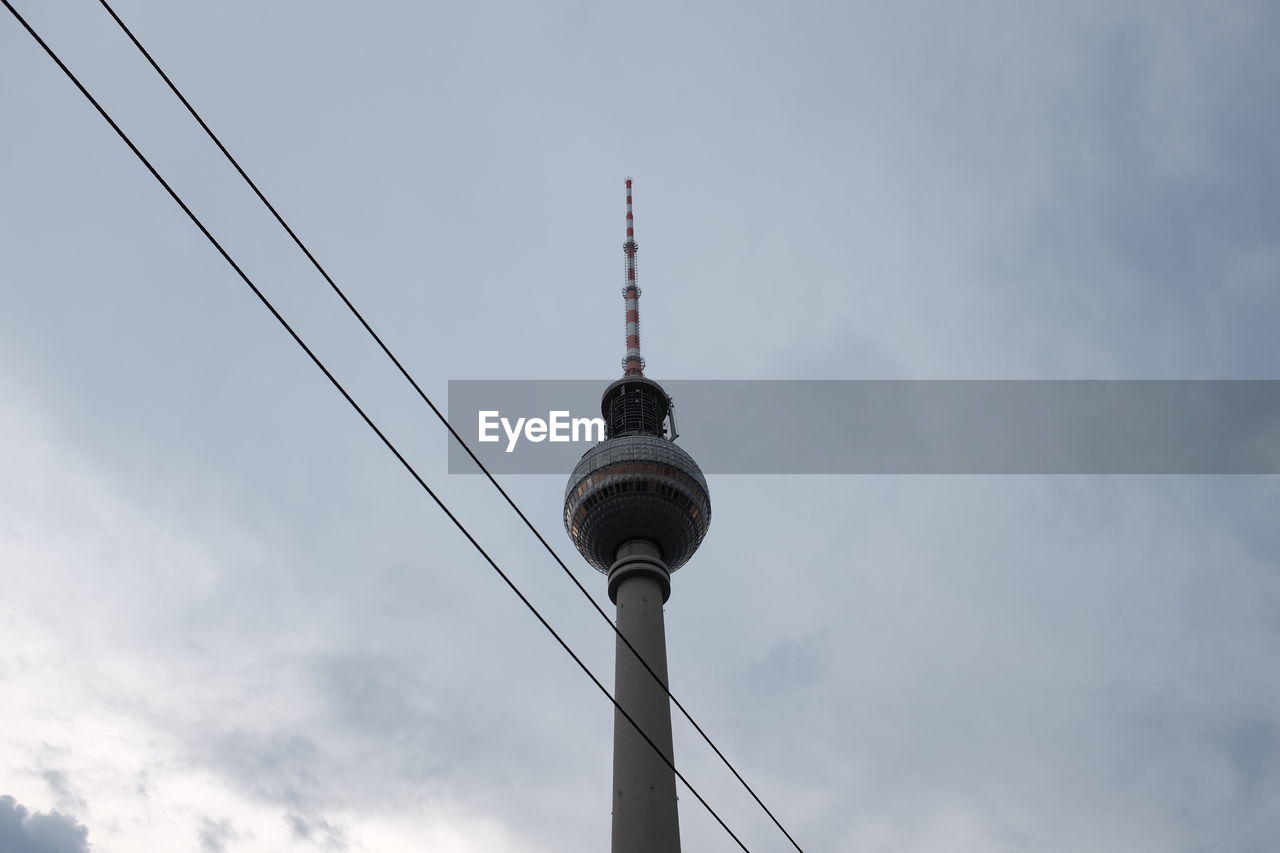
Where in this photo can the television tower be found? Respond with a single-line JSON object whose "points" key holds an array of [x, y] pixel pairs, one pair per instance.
{"points": [[637, 507]]}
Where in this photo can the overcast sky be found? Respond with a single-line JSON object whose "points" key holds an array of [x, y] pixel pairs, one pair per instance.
{"points": [[230, 622]]}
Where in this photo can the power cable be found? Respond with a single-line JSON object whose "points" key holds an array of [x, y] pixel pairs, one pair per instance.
{"points": [[363, 415], [439, 415]]}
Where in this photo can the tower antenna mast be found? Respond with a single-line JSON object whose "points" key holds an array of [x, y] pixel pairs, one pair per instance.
{"points": [[633, 363]]}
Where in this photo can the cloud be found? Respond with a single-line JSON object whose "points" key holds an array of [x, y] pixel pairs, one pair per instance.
{"points": [[217, 584], [318, 831], [24, 832], [214, 835], [68, 799]]}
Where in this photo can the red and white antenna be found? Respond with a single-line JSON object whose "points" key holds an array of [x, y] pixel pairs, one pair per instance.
{"points": [[633, 364]]}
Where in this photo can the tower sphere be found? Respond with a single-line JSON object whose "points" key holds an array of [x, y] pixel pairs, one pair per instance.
{"points": [[636, 484]]}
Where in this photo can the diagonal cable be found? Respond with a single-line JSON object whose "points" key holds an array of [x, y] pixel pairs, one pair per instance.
{"points": [[439, 415], [363, 415]]}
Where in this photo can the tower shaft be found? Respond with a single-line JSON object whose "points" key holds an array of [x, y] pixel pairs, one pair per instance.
{"points": [[645, 819]]}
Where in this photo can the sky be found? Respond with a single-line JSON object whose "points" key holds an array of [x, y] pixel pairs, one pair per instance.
{"points": [[229, 621]]}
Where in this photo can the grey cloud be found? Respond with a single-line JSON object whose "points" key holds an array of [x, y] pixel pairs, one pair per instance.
{"points": [[274, 767], [318, 831], [68, 799], [788, 665], [215, 834], [372, 693], [1219, 763], [1252, 746], [22, 831], [372, 725]]}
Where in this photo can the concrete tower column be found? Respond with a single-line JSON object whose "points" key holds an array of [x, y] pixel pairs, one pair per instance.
{"points": [[645, 819], [636, 507]]}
